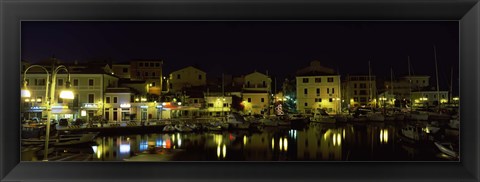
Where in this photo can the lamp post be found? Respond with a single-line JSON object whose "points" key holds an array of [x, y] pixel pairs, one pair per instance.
{"points": [[49, 90]]}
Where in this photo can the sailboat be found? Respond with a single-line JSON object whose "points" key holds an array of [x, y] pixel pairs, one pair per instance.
{"points": [[437, 115], [414, 115], [373, 116]]}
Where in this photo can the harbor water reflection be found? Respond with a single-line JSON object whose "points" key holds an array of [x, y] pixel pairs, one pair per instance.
{"points": [[315, 142]]}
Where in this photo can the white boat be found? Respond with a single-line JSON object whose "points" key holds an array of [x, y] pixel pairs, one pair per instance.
{"points": [[235, 121], [169, 128], [431, 129], [321, 116], [413, 133], [182, 128], [447, 148], [454, 123], [418, 115]]}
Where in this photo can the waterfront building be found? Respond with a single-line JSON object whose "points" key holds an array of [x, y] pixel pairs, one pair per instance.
{"points": [[318, 87], [256, 93], [359, 90], [89, 87], [187, 77], [429, 98], [149, 70], [122, 70]]}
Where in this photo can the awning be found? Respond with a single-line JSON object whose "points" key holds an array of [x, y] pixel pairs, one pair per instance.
{"points": [[62, 111], [34, 110]]}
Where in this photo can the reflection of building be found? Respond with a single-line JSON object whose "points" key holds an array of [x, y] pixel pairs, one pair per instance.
{"points": [[320, 145], [318, 87], [187, 77], [256, 93], [360, 90]]}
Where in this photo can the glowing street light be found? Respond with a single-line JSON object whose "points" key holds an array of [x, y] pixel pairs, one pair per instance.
{"points": [[49, 89]]}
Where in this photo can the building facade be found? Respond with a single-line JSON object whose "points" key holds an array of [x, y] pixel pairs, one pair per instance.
{"points": [[187, 77], [150, 71], [256, 93], [318, 87], [360, 90]]}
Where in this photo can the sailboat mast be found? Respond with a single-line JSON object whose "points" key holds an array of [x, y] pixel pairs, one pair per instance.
{"points": [[369, 82], [409, 83], [391, 81], [436, 71], [451, 86]]}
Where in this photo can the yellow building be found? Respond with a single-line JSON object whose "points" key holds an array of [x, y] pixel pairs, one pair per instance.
{"points": [[360, 90], [318, 87], [187, 77], [256, 93]]}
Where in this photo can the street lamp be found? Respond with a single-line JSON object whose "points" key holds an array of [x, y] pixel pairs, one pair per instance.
{"points": [[49, 88]]}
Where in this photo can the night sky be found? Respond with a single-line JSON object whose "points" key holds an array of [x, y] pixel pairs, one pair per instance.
{"points": [[240, 47]]}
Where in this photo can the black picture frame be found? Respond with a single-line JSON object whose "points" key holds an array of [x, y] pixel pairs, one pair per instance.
{"points": [[467, 12]]}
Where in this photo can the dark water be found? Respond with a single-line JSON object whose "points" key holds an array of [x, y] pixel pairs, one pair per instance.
{"points": [[315, 142]]}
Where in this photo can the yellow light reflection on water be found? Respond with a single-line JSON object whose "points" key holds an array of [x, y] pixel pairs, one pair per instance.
{"points": [[381, 136], [385, 136], [280, 143], [179, 142], [285, 144], [339, 139], [224, 150], [218, 151], [343, 133], [273, 143], [244, 140]]}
